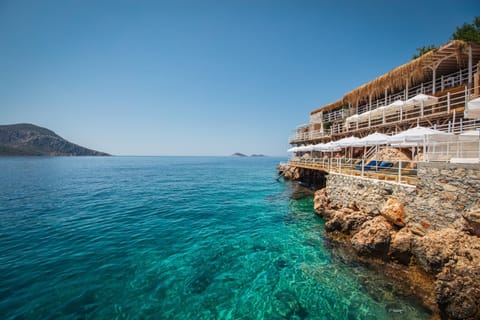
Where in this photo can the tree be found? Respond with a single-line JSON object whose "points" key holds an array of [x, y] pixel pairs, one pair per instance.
{"points": [[468, 31], [422, 50]]}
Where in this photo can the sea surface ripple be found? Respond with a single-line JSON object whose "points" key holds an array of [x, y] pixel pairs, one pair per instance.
{"points": [[172, 238]]}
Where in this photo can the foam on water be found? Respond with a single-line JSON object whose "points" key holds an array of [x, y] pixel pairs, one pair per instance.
{"points": [[172, 238]]}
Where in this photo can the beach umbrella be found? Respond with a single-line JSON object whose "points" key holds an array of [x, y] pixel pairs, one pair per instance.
{"points": [[396, 104], [326, 147], [373, 139], [292, 149], [414, 137], [420, 99], [472, 111], [346, 142], [392, 107], [417, 134]]}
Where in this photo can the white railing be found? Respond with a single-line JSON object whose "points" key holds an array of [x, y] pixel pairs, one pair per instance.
{"points": [[451, 104], [452, 80], [398, 171]]}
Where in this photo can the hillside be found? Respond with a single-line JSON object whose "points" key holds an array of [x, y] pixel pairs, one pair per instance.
{"points": [[30, 140]]}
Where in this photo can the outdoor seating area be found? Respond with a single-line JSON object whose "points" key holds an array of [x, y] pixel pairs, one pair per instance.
{"points": [[401, 171], [427, 109], [418, 144]]}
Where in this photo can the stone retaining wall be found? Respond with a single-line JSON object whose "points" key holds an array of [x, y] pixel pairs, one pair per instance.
{"points": [[443, 193]]}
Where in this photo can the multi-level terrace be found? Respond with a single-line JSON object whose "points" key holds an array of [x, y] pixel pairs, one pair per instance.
{"points": [[387, 104]]}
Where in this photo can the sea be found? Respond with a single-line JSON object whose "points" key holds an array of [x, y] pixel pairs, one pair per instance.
{"points": [[173, 238]]}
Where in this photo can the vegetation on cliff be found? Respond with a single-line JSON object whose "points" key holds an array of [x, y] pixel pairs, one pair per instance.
{"points": [[30, 140]]}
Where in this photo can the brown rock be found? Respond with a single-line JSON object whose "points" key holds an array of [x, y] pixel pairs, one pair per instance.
{"points": [[457, 289], [472, 220], [394, 212], [346, 220], [373, 238], [435, 249], [320, 200], [417, 229], [425, 224], [401, 246]]}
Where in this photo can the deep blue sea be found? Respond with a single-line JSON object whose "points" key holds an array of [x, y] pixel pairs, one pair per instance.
{"points": [[172, 238]]}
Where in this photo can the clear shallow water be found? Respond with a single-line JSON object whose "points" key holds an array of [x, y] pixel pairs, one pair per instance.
{"points": [[172, 238]]}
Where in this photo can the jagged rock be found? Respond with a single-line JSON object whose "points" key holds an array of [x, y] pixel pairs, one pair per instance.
{"points": [[289, 173], [457, 289], [373, 238], [435, 249], [417, 229], [370, 207], [401, 246], [472, 220], [346, 220], [394, 212], [320, 201]]}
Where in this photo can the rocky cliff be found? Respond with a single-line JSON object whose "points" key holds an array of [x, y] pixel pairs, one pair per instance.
{"points": [[31, 140], [441, 266]]}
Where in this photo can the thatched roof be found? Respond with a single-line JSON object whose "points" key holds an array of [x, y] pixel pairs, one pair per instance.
{"points": [[412, 72], [330, 106]]}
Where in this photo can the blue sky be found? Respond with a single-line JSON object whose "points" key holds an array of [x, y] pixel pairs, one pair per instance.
{"points": [[200, 77]]}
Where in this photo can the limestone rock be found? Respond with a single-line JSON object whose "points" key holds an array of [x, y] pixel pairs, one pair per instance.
{"points": [[457, 289], [435, 249], [401, 246], [373, 238], [346, 220], [394, 212], [320, 200], [417, 229], [472, 220]]}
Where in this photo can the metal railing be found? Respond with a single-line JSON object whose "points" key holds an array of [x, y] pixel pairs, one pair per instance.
{"points": [[445, 82], [451, 105], [397, 171], [452, 80]]}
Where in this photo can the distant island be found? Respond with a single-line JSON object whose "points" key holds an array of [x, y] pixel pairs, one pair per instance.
{"points": [[238, 154], [26, 139]]}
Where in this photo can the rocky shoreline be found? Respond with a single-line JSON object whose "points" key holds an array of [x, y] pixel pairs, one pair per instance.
{"points": [[440, 266]]}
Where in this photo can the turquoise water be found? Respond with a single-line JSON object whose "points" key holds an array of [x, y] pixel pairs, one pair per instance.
{"points": [[172, 238]]}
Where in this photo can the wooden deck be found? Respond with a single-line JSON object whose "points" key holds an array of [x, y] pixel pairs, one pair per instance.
{"points": [[405, 176]]}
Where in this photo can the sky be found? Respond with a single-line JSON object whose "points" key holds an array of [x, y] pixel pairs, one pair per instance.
{"points": [[202, 77]]}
